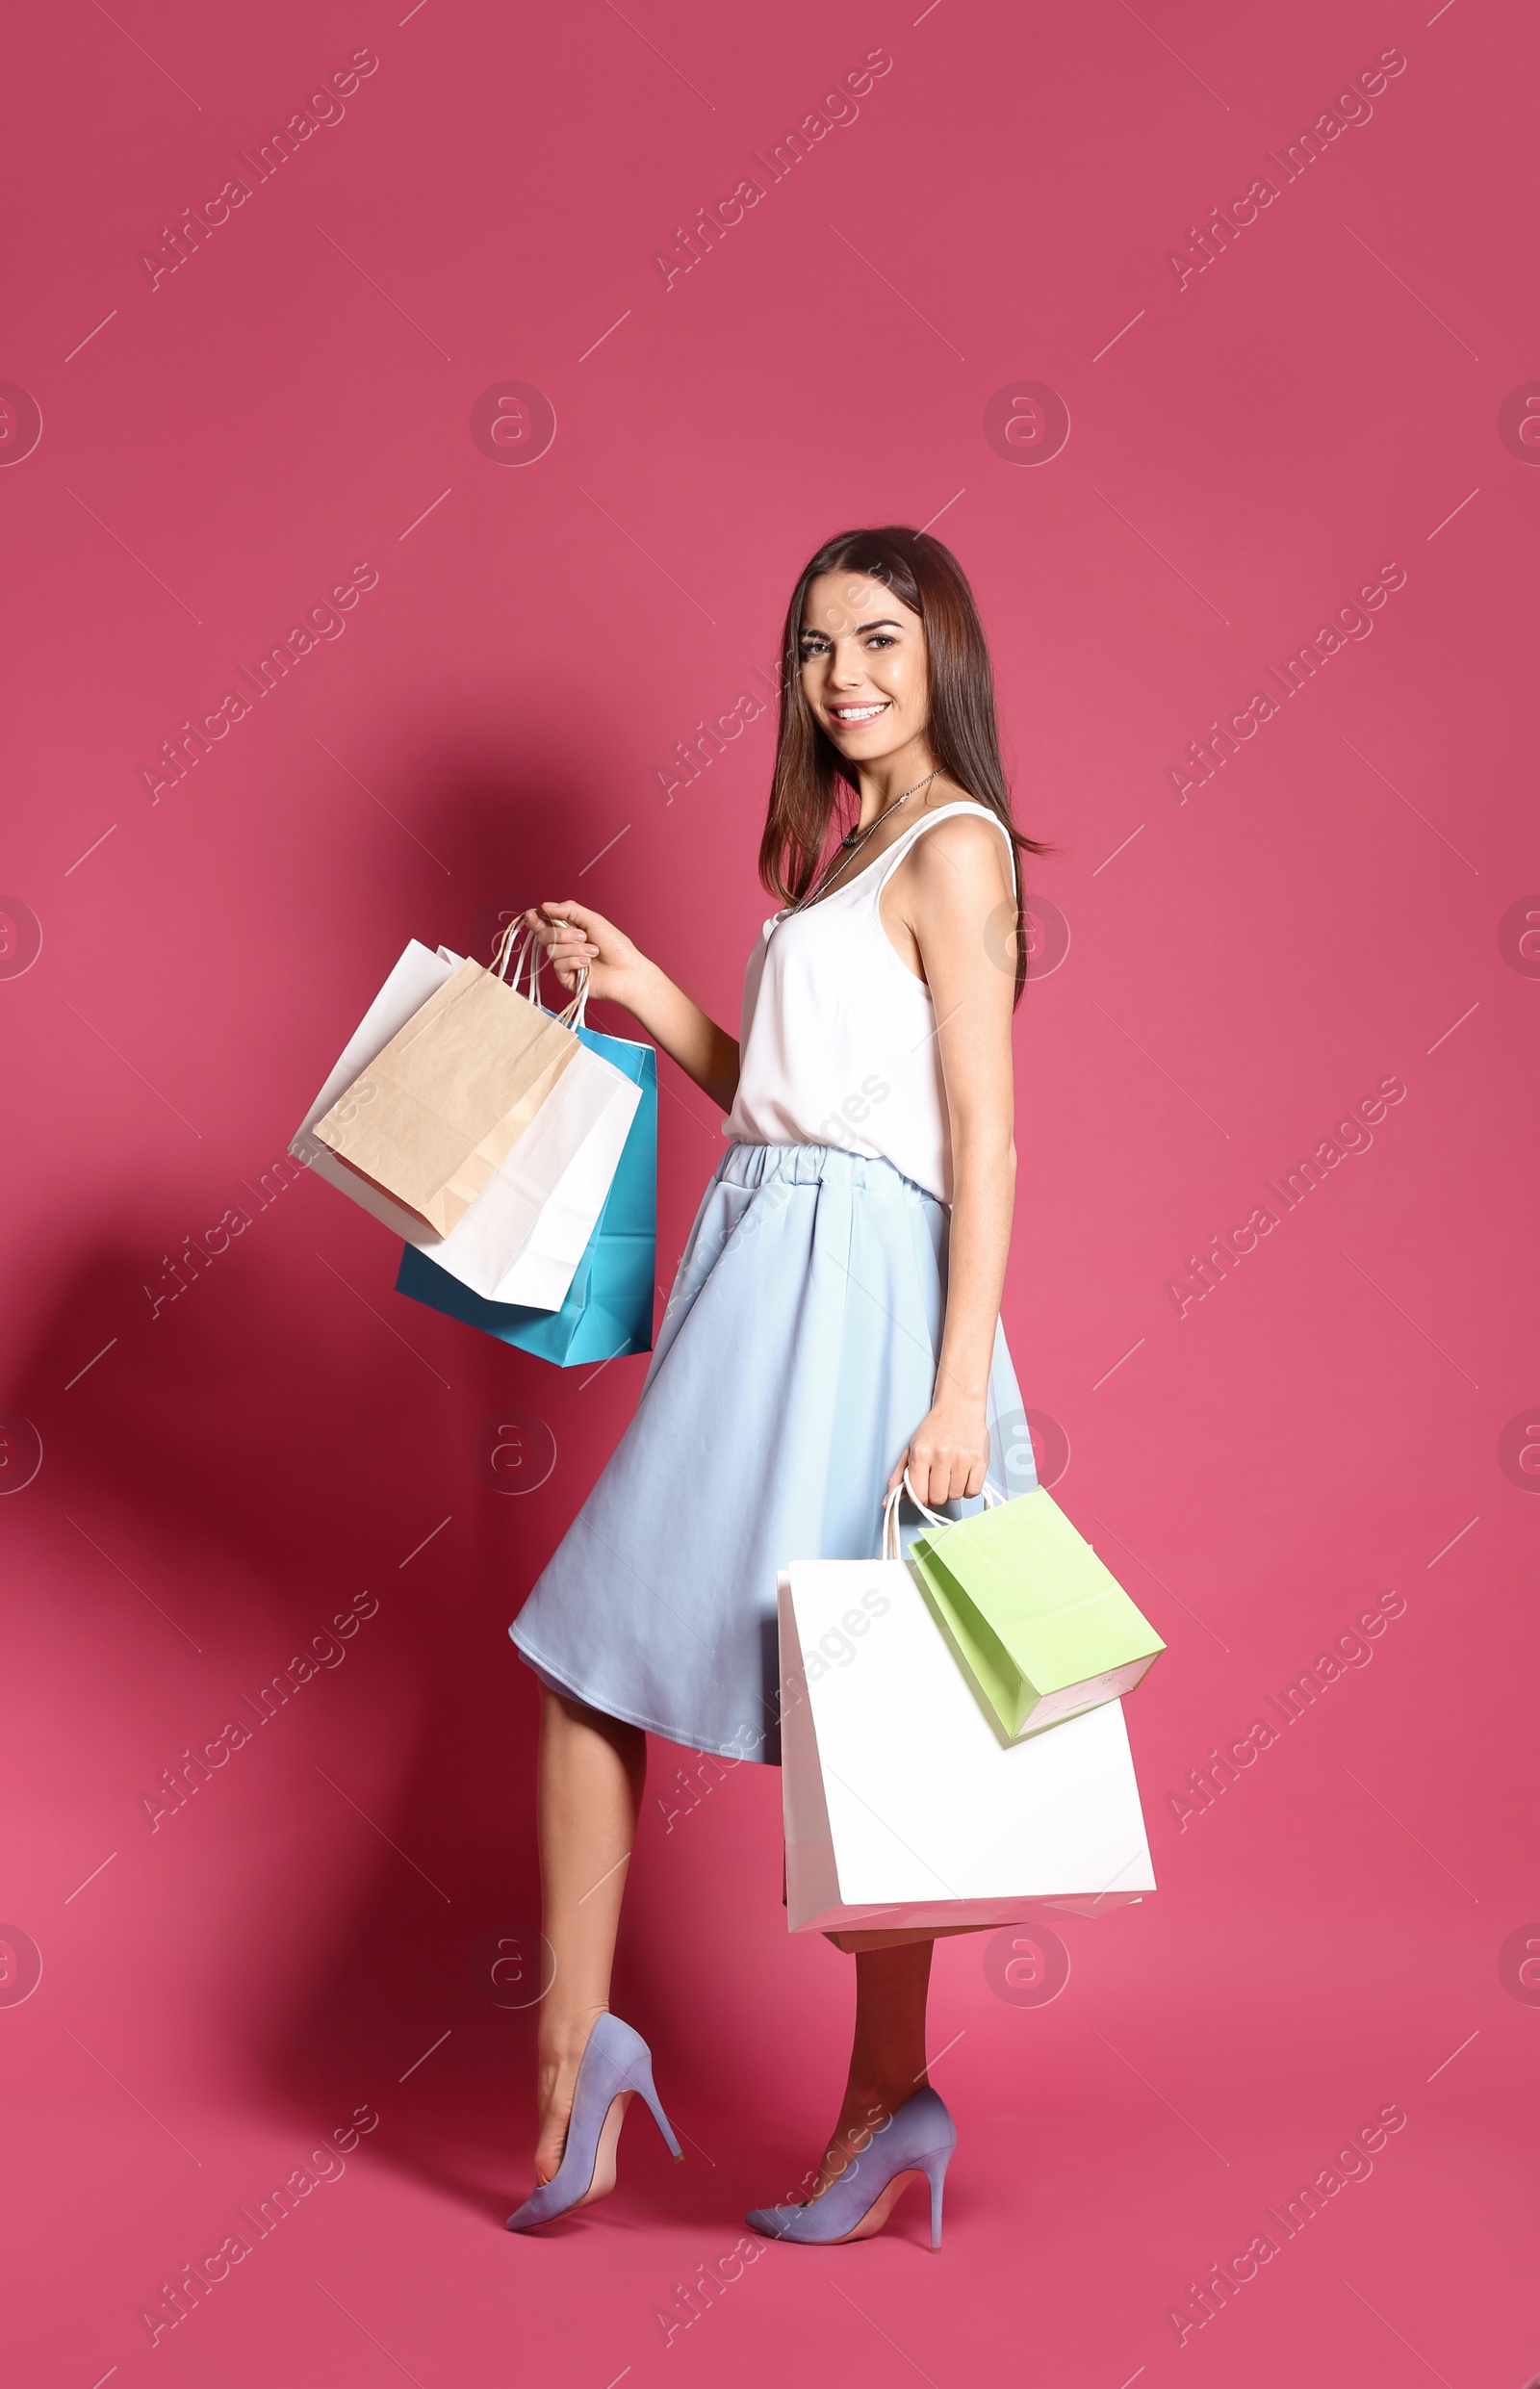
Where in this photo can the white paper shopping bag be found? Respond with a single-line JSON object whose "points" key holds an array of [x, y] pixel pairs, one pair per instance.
{"points": [[419, 974], [902, 1806], [525, 1234]]}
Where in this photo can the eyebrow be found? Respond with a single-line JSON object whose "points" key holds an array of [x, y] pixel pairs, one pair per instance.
{"points": [[811, 630]]}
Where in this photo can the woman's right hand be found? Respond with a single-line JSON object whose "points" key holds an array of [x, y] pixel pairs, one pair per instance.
{"points": [[577, 940]]}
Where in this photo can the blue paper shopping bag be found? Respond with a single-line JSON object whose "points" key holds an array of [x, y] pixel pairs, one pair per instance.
{"points": [[608, 1310]]}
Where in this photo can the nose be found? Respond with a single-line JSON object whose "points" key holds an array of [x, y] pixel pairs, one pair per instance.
{"points": [[848, 671]]}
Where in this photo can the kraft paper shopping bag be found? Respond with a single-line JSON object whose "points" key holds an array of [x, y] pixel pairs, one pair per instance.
{"points": [[524, 1238], [444, 1101], [1038, 1622], [902, 1806], [607, 1310]]}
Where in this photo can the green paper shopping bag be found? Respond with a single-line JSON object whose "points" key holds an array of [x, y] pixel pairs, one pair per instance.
{"points": [[1040, 1626]]}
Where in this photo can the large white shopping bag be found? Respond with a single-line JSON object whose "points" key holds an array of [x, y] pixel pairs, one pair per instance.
{"points": [[902, 1806], [522, 1236]]}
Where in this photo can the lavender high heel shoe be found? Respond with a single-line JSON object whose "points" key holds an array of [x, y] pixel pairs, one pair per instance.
{"points": [[615, 2061], [920, 2138]]}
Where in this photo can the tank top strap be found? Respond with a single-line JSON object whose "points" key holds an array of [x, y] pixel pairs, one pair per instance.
{"points": [[883, 871]]}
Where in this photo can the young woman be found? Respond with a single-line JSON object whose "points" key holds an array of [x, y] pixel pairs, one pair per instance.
{"points": [[833, 1324]]}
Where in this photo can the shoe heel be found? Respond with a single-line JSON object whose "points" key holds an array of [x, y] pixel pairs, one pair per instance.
{"points": [[644, 2083], [936, 2174]]}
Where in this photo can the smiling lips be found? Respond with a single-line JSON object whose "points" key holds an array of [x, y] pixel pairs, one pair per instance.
{"points": [[855, 718]]}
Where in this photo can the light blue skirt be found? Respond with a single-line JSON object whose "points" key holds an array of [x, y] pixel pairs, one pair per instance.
{"points": [[796, 1358]]}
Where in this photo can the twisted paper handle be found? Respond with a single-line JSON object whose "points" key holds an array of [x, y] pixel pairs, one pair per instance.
{"points": [[890, 1543], [573, 1013]]}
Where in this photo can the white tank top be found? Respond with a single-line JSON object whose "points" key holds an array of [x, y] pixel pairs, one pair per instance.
{"points": [[838, 1041]]}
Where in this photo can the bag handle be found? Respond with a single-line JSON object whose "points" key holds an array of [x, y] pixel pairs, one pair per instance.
{"points": [[574, 1014], [511, 936], [890, 1544], [527, 966]]}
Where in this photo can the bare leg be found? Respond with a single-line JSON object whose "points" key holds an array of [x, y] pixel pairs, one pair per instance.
{"points": [[887, 2056], [592, 1769]]}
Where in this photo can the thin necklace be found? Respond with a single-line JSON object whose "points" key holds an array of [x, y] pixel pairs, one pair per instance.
{"points": [[853, 843]]}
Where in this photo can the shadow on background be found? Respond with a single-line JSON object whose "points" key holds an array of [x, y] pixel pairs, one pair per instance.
{"points": [[261, 1437]]}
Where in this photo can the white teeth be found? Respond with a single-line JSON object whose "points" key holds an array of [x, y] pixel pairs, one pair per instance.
{"points": [[857, 713]]}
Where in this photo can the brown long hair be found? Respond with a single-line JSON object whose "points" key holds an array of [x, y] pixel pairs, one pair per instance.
{"points": [[811, 775]]}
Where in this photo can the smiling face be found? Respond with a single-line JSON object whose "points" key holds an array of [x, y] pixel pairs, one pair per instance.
{"points": [[864, 668]]}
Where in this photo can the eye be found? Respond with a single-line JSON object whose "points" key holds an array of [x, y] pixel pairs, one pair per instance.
{"points": [[881, 638]]}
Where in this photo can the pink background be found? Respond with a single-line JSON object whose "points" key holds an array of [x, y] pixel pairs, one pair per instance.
{"points": [[1335, 906]]}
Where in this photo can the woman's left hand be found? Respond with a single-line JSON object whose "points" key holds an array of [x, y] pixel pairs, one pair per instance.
{"points": [[948, 1458]]}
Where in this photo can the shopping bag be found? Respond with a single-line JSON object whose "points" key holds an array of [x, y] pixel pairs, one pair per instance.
{"points": [[608, 1306], [446, 1098], [1039, 1624], [419, 974], [902, 1806], [524, 1236], [521, 1239]]}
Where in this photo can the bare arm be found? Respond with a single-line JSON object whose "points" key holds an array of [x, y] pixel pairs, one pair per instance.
{"points": [[942, 895], [618, 972]]}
